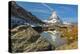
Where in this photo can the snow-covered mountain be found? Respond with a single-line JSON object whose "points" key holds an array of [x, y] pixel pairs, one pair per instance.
{"points": [[53, 19]]}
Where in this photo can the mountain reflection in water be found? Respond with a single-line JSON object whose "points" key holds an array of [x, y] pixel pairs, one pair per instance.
{"points": [[53, 37]]}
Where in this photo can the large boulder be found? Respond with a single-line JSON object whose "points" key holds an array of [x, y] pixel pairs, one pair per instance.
{"points": [[25, 39]]}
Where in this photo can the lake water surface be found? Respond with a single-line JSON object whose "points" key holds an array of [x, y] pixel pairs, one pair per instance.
{"points": [[53, 37]]}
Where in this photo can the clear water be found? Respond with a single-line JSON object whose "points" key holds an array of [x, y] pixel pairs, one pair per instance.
{"points": [[53, 37]]}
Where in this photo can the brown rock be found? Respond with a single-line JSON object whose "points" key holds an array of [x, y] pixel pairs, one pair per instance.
{"points": [[25, 39]]}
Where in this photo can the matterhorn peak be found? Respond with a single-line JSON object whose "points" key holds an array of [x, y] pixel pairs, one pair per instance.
{"points": [[54, 18], [53, 15]]}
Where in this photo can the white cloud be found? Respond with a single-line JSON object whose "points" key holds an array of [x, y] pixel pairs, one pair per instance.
{"points": [[40, 11]]}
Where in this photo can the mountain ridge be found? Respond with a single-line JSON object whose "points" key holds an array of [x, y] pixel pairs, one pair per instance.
{"points": [[19, 12]]}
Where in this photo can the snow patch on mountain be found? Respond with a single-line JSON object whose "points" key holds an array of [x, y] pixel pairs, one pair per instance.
{"points": [[67, 23]]}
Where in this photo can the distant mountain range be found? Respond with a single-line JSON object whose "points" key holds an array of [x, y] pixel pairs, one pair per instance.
{"points": [[55, 20], [20, 16]]}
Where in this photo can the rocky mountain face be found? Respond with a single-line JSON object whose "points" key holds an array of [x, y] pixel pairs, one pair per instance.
{"points": [[54, 18], [25, 39], [16, 22], [20, 13]]}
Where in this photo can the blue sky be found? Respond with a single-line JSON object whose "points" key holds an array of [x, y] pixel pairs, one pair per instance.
{"points": [[67, 13]]}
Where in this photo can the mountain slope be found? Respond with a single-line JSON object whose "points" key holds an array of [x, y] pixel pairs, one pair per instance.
{"points": [[19, 12]]}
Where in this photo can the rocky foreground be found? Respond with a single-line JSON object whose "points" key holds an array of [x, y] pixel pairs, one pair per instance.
{"points": [[25, 39], [73, 45]]}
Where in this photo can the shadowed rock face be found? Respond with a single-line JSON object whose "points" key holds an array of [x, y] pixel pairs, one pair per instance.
{"points": [[25, 39], [21, 13]]}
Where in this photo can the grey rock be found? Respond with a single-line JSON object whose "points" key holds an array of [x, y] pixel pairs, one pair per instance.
{"points": [[25, 39]]}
